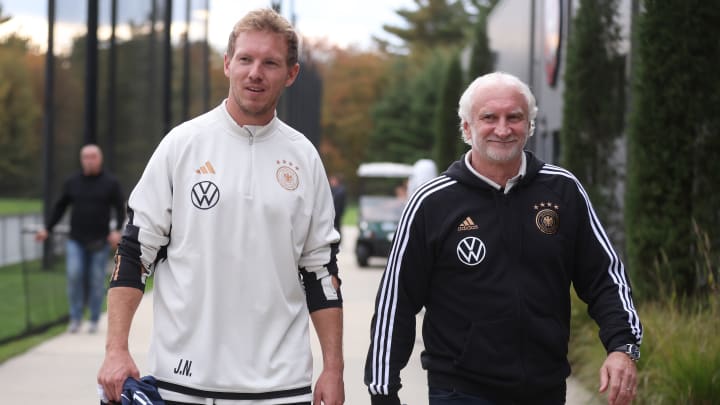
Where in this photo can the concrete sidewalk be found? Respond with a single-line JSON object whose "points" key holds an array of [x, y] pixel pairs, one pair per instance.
{"points": [[62, 371]]}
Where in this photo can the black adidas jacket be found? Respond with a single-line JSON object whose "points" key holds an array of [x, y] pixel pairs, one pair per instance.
{"points": [[493, 271]]}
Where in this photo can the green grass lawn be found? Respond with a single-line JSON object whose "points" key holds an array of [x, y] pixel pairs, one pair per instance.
{"points": [[47, 301], [46, 294], [10, 206], [350, 214], [35, 303]]}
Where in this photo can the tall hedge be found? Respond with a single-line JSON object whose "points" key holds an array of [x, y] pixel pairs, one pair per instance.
{"points": [[446, 126], [481, 57], [673, 146], [593, 108], [404, 115]]}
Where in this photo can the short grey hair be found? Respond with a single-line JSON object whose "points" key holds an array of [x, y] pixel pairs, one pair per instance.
{"points": [[484, 81]]}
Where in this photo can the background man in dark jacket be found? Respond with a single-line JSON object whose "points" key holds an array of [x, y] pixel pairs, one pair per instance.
{"points": [[489, 249], [92, 193], [339, 195]]}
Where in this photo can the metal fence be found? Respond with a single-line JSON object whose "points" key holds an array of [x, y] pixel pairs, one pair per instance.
{"points": [[13, 240], [33, 296], [17, 238]]}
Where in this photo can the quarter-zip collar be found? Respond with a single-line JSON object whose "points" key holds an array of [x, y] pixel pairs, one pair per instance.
{"points": [[254, 133]]}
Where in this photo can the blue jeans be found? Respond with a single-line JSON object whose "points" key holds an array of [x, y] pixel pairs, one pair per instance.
{"points": [[86, 272], [441, 396]]}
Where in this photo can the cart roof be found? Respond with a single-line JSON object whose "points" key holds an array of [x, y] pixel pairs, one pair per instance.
{"points": [[384, 169]]}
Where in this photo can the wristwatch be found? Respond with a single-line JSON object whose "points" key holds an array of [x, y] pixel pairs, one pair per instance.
{"points": [[632, 350]]}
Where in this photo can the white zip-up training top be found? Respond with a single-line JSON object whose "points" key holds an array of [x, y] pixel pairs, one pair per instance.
{"points": [[240, 209]]}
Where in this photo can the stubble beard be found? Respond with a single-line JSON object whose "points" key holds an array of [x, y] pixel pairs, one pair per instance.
{"points": [[497, 153], [254, 109], [503, 155]]}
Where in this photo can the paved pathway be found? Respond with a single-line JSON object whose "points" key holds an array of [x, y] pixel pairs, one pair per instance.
{"points": [[62, 370]]}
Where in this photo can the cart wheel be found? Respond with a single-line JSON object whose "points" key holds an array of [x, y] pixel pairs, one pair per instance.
{"points": [[363, 254]]}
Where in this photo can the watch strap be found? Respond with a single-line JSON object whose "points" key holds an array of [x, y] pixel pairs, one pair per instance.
{"points": [[632, 350]]}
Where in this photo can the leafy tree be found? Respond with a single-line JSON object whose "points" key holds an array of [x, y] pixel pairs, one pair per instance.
{"points": [[673, 169], [447, 137], [19, 113], [483, 6], [391, 115], [138, 117], [69, 109], [425, 96], [404, 116], [593, 107], [435, 23], [352, 82], [139, 120], [138, 106]]}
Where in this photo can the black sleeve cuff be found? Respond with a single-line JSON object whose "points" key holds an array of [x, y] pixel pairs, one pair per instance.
{"points": [[319, 292], [127, 273], [391, 399], [619, 340]]}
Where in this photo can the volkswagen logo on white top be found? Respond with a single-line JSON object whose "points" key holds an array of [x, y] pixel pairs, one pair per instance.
{"points": [[471, 251], [205, 195]]}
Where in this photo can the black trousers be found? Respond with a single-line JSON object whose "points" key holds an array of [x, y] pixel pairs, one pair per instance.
{"points": [[187, 403]]}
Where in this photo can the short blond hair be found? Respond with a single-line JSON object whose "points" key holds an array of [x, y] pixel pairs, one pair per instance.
{"points": [[266, 19]]}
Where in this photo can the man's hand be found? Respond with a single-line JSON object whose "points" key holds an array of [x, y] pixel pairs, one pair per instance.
{"points": [[41, 235], [118, 364], [329, 389], [116, 368], [619, 373], [114, 239]]}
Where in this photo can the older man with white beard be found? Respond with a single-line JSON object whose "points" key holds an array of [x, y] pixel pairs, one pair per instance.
{"points": [[489, 249]]}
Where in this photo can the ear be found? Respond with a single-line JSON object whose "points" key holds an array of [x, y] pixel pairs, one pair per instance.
{"points": [[466, 131], [226, 65], [292, 75]]}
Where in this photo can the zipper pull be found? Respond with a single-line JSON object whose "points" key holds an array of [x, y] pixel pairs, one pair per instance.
{"points": [[251, 138]]}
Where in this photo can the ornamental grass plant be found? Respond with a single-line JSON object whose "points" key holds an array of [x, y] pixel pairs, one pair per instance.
{"points": [[680, 362]]}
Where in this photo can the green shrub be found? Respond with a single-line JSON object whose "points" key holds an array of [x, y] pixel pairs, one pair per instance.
{"points": [[681, 353], [680, 361]]}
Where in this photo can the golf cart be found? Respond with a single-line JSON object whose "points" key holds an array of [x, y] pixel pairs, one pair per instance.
{"points": [[380, 203]]}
